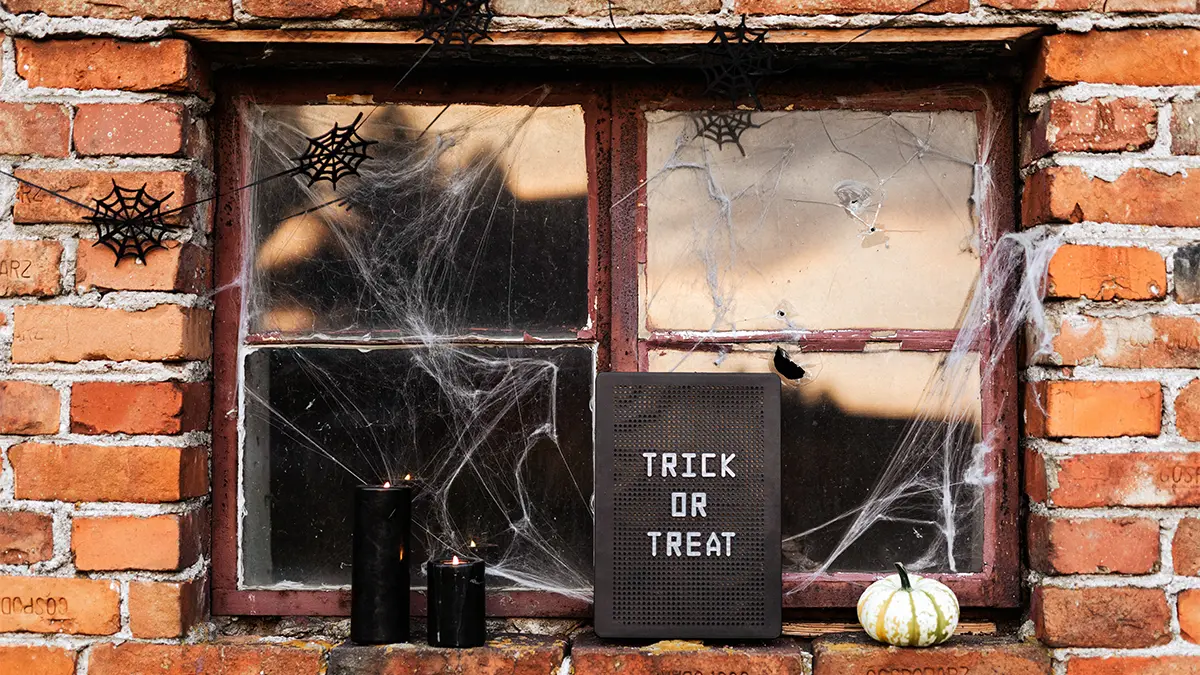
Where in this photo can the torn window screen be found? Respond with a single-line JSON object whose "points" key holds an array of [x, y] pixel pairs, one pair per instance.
{"points": [[820, 219]]}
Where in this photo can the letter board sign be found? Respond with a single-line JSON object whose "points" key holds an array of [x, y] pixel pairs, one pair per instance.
{"points": [[687, 506]]}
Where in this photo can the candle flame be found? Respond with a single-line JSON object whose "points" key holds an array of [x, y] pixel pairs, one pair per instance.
{"points": [[408, 476], [387, 484], [455, 561], [472, 544]]}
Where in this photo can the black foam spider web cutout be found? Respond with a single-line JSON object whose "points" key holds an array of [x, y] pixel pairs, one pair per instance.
{"points": [[724, 127], [130, 222], [735, 63], [456, 22], [335, 154]]}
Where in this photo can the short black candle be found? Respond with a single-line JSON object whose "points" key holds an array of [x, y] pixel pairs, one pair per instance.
{"points": [[379, 574], [456, 596]]}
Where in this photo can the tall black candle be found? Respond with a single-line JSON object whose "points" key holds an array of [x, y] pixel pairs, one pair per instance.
{"points": [[456, 602], [379, 573]]}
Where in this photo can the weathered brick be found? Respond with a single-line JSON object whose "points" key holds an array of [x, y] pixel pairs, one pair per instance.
{"points": [[27, 409], [1186, 267], [1065, 194], [1185, 128], [36, 206], [840, 654], [1134, 479], [185, 268], [1187, 411], [139, 407], [556, 8], [44, 333], [502, 655], [1185, 547], [1137, 57], [100, 63], [1106, 273], [162, 543], [25, 537], [60, 605], [34, 129], [88, 473], [1137, 342], [1134, 665], [591, 656], [1035, 476], [333, 9], [1093, 545], [130, 129], [772, 7], [1099, 125], [1189, 614], [1044, 5], [30, 660], [1063, 409], [165, 609], [1101, 617], [203, 10], [29, 267], [1136, 6], [227, 656]]}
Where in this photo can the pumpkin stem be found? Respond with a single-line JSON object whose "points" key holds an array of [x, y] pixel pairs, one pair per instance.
{"points": [[905, 584]]}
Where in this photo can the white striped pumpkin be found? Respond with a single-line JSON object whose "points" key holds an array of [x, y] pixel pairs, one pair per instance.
{"points": [[908, 611]]}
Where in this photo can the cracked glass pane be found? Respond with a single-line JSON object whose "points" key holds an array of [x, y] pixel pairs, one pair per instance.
{"points": [[842, 425], [810, 220]]}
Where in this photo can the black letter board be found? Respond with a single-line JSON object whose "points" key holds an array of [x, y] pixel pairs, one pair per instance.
{"points": [[687, 506]]}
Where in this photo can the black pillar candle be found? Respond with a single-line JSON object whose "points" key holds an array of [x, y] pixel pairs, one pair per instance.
{"points": [[455, 597], [379, 571]]}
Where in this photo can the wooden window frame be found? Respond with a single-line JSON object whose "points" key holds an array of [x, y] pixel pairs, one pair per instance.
{"points": [[615, 134]]}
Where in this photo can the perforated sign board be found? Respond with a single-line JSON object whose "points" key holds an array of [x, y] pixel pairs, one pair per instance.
{"points": [[687, 506]]}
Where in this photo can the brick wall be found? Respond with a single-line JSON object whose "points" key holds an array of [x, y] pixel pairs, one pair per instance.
{"points": [[105, 383]]}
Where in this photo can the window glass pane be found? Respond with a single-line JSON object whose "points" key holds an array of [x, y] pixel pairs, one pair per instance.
{"points": [[819, 219], [842, 425], [467, 219], [500, 438]]}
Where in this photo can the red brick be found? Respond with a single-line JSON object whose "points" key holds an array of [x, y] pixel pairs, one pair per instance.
{"points": [[139, 407], [1093, 545], [130, 129], [178, 267], [1099, 125], [165, 610], [25, 537], [34, 129], [100, 63], [1101, 617], [1134, 665], [1138, 342], [858, 654], [227, 657], [203, 10], [36, 206], [27, 660], [560, 8], [1187, 411], [61, 605], [502, 655], [849, 6], [1159, 6], [1134, 479], [43, 333], [27, 409], [1066, 194], [29, 267], [1035, 476], [1093, 409], [161, 543], [88, 473], [1138, 57], [1045, 5], [590, 656], [1106, 273], [1189, 615], [333, 9], [1185, 548]]}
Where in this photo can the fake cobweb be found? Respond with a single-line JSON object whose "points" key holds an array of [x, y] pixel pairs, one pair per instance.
{"points": [[431, 316]]}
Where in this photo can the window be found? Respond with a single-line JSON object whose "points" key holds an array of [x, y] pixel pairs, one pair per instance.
{"points": [[444, 314]]}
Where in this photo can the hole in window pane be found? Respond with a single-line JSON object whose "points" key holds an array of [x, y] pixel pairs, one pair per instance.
{"points": [[468, 219], [841, 426], [830, 219], [500, 438]]}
